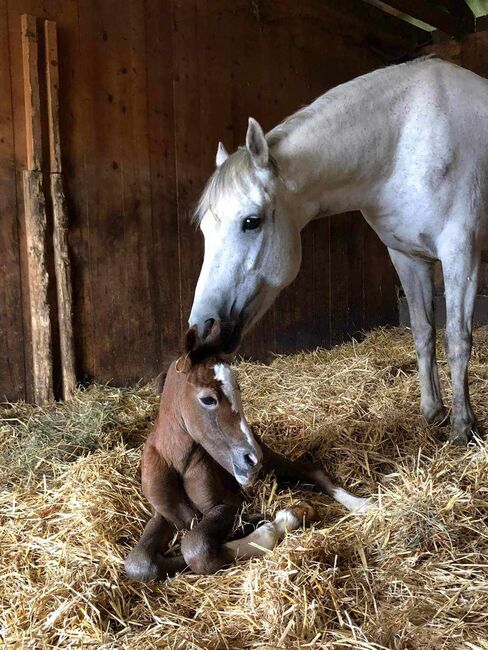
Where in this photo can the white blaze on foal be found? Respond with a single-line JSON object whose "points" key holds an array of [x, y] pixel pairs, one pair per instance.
{"points": [[224, 373]]}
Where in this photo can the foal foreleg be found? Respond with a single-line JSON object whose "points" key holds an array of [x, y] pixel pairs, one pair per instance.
{"points": [[416, 276], [202, 546], [292, 470], [460, 264], [146, 561]]}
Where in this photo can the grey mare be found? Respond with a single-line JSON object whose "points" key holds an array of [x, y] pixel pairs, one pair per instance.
{"points": [[408, 147]]}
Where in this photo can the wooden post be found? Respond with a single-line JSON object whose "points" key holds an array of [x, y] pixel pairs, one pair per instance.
{"points": [[35, 219], [62, 265]]}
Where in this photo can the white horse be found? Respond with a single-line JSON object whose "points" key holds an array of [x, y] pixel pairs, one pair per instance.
{"points": [[408, 147]]}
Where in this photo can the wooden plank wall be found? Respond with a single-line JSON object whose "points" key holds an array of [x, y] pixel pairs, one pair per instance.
{"points": [[147, 88], [470, 53]]}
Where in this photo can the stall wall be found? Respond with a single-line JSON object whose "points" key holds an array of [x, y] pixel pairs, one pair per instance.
{"points": [[147, 89]]}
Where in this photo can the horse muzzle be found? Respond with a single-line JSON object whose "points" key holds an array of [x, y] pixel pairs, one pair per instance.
{"points": [[247, 465]]}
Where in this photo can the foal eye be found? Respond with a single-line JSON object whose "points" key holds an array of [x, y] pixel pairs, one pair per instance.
{"points": [[208, 401], [251, 223]]}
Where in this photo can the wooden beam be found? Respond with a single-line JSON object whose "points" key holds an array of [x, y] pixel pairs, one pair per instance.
{"points": [[62, 265], [31, 92], [446, 15], [35, 234], [35, 219]]}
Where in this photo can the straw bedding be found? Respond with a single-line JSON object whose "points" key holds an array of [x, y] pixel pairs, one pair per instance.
{"points": [[411, 574]]}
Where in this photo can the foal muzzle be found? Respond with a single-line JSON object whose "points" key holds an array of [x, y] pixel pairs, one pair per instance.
{"points": [[247, 464]]}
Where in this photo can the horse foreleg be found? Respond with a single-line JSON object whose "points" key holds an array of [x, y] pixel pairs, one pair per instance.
{"points": [[267, 536], [460, 264], [146, 561], [416, 276], [202, 546]]}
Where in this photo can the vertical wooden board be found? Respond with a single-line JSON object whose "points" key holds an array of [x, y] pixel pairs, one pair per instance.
{"points": [[75, 132], [281, 95], [51, 62], [12, 361], [139, 346], [312, 314], [187, 129], [32, 99], [117, 189], [14, 10], [380, 281], [35, 241], [249, 98], [165, 290], [214, 20], [346, 281]]}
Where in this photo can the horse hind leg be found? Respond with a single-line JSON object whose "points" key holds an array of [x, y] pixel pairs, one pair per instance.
{"points": [[417, 278], [460, 265]]}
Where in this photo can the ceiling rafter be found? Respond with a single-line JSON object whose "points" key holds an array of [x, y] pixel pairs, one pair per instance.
{"points": [[453, 17]]}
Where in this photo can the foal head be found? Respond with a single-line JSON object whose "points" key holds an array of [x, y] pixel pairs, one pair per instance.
{"points": [[211, 408]]}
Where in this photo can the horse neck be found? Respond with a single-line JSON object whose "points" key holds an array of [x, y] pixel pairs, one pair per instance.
{"points": [[335, 154], [172, 440]]}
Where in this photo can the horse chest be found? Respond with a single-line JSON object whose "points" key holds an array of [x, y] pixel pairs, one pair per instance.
{"points": [[207, 484]]}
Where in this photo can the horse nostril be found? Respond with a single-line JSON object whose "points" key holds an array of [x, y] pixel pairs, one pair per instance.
{"points": [[207, 326], [250, 460]]}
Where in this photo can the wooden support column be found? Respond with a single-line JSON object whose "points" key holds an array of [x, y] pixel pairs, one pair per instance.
{"points": [[35, 219], [62, 265]]}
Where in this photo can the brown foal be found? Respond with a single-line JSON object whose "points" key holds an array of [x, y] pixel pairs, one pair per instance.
{"points": [[199, 455]]}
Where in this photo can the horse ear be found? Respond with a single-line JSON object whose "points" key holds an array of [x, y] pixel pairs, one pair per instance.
{"points": [[256, 143], [222, 155]]}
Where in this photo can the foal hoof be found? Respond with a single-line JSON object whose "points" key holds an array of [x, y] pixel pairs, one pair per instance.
{"points": [[305, 513]]}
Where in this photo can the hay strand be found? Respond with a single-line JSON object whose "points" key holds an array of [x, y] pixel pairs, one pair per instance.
{"points": [[411, 574]]}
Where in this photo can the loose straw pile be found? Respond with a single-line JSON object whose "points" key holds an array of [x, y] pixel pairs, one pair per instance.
{"points": [[411, 574]]}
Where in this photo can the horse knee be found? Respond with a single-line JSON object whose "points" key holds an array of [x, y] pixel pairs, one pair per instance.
{"points": [[457, 343], [200, 555], [140, 566]]}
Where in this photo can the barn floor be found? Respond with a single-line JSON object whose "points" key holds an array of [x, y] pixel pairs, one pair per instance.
{"points": [[411, 574]]}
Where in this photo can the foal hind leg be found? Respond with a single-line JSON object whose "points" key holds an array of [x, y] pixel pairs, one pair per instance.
{"points": [[416, 276], [460, 264], [296, 470]]}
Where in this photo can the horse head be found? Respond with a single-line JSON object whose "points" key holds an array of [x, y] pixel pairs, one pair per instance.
{"points": [[211, 406], [252, 243]]}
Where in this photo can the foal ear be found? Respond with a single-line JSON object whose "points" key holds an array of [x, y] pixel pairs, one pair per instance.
{"points": [[256, 143], [221, 156], [191, 339], [212, 340]]}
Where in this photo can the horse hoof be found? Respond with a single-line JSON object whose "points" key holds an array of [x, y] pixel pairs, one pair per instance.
{"points": [[436, 416], [305, 513], [140, 567]]}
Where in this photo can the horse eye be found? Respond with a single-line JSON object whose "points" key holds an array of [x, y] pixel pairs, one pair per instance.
{"points": [[251, 223], [208, 401]]}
